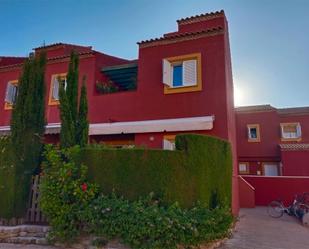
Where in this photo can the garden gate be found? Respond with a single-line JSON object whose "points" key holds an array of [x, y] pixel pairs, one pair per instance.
{"points": [[34, 213]]}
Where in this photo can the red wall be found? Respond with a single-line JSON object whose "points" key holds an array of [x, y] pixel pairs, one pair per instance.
{"points": [[246, 194], [295, 163], [285, 188], [268, 149], [149, 102]]}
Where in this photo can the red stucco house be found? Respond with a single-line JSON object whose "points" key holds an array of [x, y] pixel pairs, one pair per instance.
{"points": [[181, 82], [273, 141]]}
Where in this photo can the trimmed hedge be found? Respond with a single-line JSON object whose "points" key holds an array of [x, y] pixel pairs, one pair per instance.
{"points": [[14, 183], [200, 170], [7, 179]]}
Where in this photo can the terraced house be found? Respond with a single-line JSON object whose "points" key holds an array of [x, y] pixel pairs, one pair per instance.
{"points": [[181, 82], [273, 141]]}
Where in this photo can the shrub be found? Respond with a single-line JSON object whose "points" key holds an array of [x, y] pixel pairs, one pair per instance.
{"points": [[65, 193], [146, 224], [7, 179], [199, 170], [73, 205]]}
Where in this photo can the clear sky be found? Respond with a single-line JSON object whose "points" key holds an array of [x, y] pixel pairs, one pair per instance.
{"points": [[269, 39]]}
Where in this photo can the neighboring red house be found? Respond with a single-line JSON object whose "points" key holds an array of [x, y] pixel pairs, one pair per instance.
{"points": [[181, 82], [273, 141]]}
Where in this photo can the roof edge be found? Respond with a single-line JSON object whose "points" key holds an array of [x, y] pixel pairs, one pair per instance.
{"points": [[201, 17]]}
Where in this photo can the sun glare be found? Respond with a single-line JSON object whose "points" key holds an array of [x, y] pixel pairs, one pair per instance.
{"points": [[239, 97]]}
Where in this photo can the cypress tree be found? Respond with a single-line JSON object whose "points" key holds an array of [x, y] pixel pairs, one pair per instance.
{"points": [[27, 127], [82, 122], [67, 134], [74, 123], [68, 104]]}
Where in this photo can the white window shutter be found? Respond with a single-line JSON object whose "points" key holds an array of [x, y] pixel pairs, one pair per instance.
{"points": [[283, 135], [249, 134], [14, 94], [168, 145], [9, 93], [298, 131], [56, 89], [190, 73], [167, 73]]}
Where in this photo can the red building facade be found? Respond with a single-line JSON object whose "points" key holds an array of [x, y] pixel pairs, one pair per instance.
{"points": [[273, 141], [181, 82]]}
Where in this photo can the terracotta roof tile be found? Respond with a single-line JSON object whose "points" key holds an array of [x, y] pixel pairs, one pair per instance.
{"points": [[180, 37], [293, 147], [201, 17], [60, 44], [294, 111], [49, 59], [255, 108]]}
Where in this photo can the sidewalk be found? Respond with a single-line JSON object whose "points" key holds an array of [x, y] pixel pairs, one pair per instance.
{"points": [[256, 230]]}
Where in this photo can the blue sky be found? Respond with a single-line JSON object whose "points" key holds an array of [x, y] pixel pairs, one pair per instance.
{"points": [[269, 39]]}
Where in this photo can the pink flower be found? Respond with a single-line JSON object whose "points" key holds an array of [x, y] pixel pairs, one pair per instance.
{"points": [[84, 186]]}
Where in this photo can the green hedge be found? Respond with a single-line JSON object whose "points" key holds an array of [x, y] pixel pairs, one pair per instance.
{"points": [[199, 170], [14, 183], [7, 180]]}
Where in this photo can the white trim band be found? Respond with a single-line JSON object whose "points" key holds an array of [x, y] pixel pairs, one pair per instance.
{"points": [[147, 126]]}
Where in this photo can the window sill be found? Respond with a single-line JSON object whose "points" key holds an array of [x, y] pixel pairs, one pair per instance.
{"points": [[244, 172], [182, 89], [8, 106], [291, 139], [254, 140], [53, 102]]}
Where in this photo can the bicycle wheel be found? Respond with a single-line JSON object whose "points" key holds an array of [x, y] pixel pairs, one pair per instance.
{"points": [[300, 210], [275, 209]]}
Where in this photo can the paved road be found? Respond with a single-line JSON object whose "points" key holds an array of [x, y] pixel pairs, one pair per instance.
{"points": [[256, 230]]}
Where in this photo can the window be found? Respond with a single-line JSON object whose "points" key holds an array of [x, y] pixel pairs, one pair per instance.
{"points": [[243, 168], [169, 142], [253, 133], [11, 94], [182, 74], [120, 144], [290, 131], [56, 81], [270, 169]]}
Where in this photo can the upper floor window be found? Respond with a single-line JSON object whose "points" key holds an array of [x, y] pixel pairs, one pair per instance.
{"points": [[290, 131], [254, 133], [56, 81], [182, 74], [11, 94]]}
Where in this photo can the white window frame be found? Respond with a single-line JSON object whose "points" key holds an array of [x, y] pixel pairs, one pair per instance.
{"points": [[54, 97], [189, 72], [247, 171], [11, 94], [258, 135], [169, 142], [288, 135]]}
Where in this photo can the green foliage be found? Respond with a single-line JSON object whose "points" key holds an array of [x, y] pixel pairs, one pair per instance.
{"points": [[82, 121], [27, 128], [74, 123], [199, 170], [146, 224], [65, 193], [67, 135], [141, 223], [106, 87], [7, 179]]}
